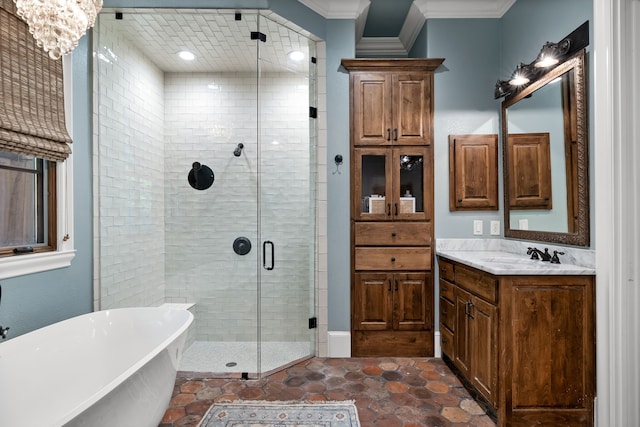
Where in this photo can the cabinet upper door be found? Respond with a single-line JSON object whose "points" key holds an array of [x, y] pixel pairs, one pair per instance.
{"points": [[371, 109], [391, 108], [411, 101]]}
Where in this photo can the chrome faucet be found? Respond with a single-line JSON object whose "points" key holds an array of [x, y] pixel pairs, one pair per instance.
{"points": [[3, 332], [538, 254]]}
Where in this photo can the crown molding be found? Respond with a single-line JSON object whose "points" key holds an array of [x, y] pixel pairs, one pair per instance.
{"points": [[463, 8], [382, 46], [337, 9]]}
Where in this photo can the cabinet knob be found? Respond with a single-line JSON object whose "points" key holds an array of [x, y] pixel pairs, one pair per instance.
{"points": [[459, 200], [393, 259], [443, 289], [393, 234], [445, 340]]}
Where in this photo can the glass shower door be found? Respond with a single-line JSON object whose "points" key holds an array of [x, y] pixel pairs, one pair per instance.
{"points": [[286, 195]]}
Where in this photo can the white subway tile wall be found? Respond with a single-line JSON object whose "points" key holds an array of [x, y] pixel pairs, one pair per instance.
{"points": [[131, 175], [161, 240]]}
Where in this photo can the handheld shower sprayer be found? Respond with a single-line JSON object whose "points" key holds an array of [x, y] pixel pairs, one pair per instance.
{"points": [[238, 150]]}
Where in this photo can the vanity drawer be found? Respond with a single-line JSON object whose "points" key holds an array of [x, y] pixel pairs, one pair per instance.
{"points": [[446, 290], [393, 258], [446, 341], [392, 234], [447, 313], [446, 270], [477, 283]]}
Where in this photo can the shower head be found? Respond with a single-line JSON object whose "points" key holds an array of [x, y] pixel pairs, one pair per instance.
{"points": [[238, 150]]}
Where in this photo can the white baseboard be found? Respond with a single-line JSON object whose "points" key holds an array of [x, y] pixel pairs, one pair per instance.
{"points": [[437, 350], [339, 344]]}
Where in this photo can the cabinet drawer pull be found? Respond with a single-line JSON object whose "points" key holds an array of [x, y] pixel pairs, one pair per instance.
{"points": [[393, 259], [444, 311], [443, 289], [393, 234]]}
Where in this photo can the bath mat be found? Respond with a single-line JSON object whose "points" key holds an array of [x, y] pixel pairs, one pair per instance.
{"points": [[281, 414]]}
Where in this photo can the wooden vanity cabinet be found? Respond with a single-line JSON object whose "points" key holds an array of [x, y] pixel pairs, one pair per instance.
{"points": [[391, 112], [523, 345]]}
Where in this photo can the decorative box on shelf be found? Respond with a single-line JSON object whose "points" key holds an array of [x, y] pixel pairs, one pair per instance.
{"points": [[407, 204], [376, 204]]}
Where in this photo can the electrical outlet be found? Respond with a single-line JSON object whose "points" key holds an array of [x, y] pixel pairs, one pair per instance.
{"points": [[495, 228], [523, 224], [477, 227]]}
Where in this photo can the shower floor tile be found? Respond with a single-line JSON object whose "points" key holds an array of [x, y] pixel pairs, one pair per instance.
{"points": [[234, 357]]}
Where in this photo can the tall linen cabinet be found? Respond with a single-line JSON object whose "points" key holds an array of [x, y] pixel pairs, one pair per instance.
{"points": [[391, 139]]}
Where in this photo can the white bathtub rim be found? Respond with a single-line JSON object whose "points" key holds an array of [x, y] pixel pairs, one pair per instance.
{"points": [[91, 400], [70, 411]]}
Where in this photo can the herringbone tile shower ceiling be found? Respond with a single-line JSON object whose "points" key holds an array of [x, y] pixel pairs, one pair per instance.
{"points": [[220, 43]]}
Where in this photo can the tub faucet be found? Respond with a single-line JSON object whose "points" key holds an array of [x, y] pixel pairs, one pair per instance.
{"points": [[534, 252], [3, 332]]}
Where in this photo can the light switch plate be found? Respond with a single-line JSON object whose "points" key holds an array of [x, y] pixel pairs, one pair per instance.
{"points": [[477, 227], [495, 228]]}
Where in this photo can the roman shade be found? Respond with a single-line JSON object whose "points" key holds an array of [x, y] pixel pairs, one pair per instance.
{"points": [[32, 118]]}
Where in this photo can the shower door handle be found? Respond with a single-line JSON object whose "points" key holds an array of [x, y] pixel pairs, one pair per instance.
{"points": [[264, 255]]}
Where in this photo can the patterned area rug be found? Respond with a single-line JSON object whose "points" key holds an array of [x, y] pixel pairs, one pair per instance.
{"points": [[281, 414]]}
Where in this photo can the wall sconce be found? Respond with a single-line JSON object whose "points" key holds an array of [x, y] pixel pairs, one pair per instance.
{"points": [[57, 25], [550, 55]]}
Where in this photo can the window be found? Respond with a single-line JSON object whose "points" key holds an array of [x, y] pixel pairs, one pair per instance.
{"points": [[36, 165], [27, 204]]}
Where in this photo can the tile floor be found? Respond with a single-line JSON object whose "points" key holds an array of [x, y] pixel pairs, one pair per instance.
{"points": [[389, 392]]}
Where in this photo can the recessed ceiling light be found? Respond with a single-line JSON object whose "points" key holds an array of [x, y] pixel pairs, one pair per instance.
{"points": [[186, 55], [296, 55]]}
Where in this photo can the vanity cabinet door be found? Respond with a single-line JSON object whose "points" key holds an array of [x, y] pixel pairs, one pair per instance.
{"points": [[462, 339], [475, 341], [484, 349]]}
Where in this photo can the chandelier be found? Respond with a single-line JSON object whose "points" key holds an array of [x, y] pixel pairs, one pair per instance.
{"points": [[57, 25]]}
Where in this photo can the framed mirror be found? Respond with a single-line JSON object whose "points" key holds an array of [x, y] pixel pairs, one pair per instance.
{"points": [[545, 155]]}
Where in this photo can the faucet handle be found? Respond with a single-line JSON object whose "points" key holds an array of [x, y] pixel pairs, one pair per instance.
{"points": [[533, 252], [3, 332], [554, 258]]}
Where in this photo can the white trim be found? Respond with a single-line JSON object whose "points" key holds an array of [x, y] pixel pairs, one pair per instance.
{"points": [[339, 344], [412, 26], [463, 8], [385, 46], [21, 265], [437, 349], [337, 9]]}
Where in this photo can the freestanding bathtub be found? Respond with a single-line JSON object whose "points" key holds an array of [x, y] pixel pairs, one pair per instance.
{"points": [[108, 368]]}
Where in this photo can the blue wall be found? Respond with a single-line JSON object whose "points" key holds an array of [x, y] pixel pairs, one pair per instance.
{"points": [[36, 300]]}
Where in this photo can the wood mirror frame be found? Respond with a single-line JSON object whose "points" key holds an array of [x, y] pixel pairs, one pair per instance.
{"points": [[574, 110]]}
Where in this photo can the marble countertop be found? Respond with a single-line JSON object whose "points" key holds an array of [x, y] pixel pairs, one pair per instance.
{"points": [[505, 260]]}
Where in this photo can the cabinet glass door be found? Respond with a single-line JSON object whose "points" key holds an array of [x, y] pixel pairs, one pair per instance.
{"points": [[411, 182], [372, 167]]}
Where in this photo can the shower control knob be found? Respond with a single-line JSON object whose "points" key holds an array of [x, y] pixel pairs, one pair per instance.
{"points": [[242, 245]]}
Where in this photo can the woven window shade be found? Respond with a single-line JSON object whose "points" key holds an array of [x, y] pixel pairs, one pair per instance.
{"points": [[31, 93]]}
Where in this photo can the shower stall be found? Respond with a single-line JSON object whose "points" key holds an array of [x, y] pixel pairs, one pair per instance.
{"points": [[204, 179]]}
